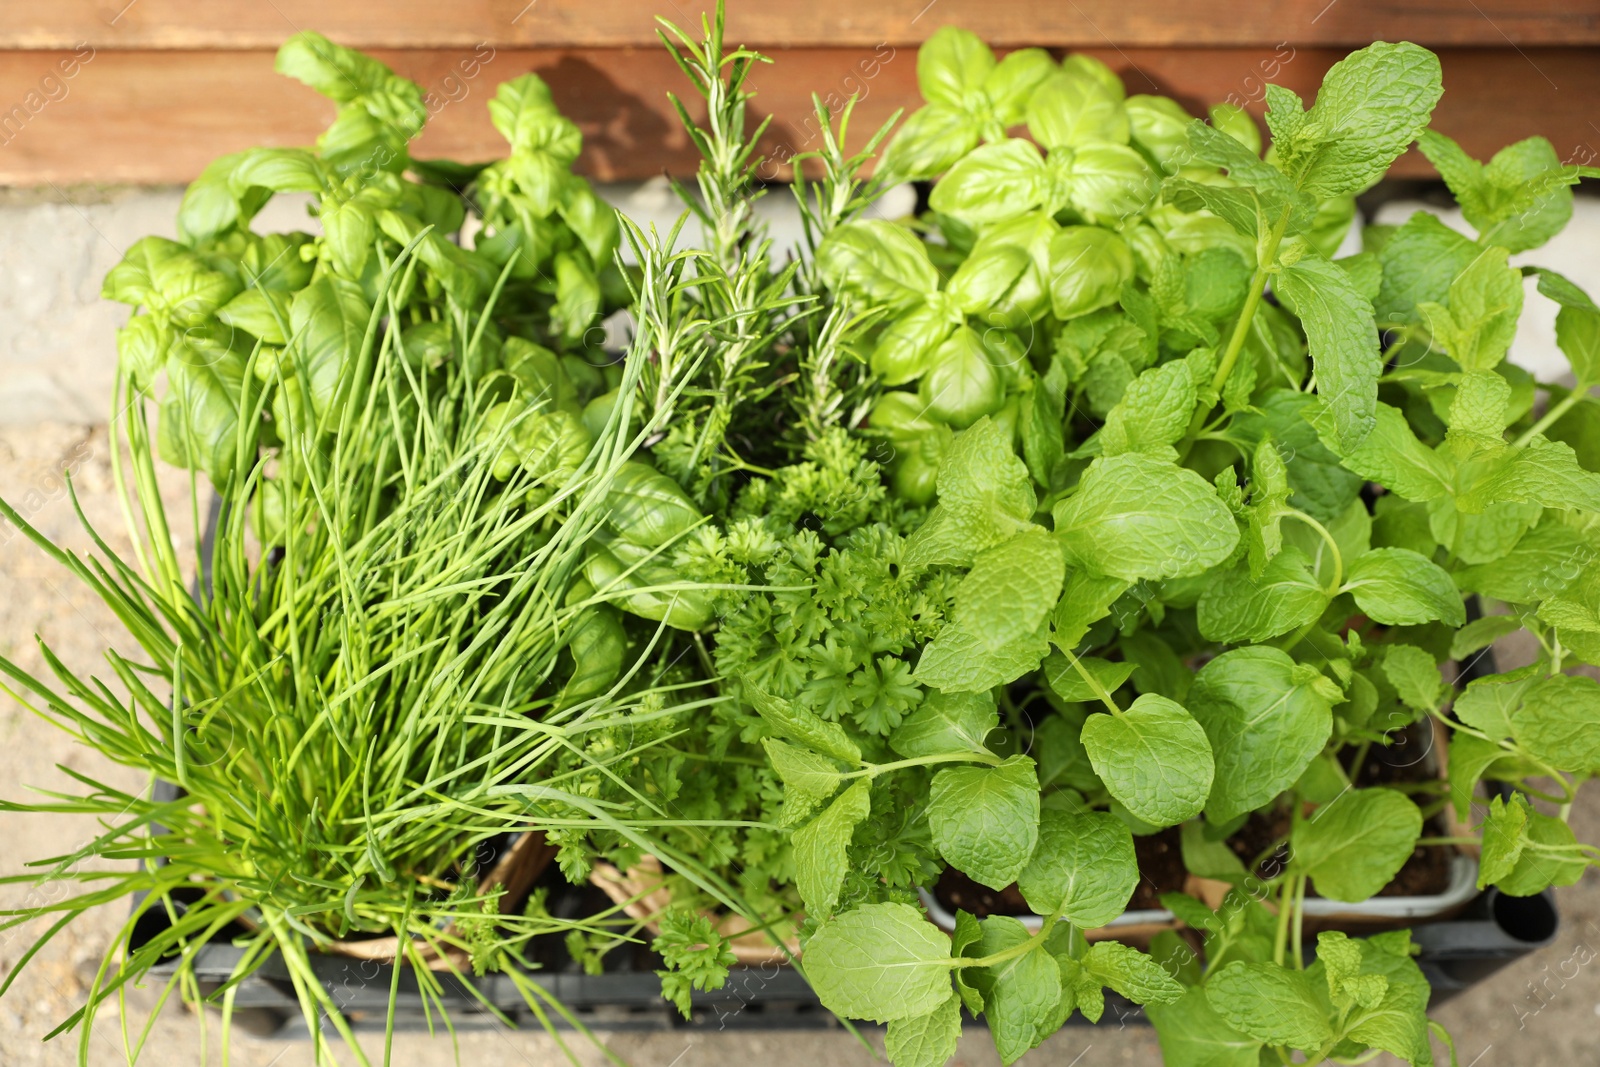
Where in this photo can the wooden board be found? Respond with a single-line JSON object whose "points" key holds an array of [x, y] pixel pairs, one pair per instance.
{"points": [[263, 24], [147, 117]]}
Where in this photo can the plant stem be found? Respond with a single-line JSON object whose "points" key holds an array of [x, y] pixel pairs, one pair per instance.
{"points": [[1094, 684], [1267, 254], [1332, 589], [872, 770], [1552, 415]]}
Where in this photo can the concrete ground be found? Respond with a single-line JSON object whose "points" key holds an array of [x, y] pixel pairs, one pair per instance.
{"points": [[56, 349]]}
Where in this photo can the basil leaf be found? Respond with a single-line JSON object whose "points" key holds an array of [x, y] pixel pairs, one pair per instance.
{"points": [[985, 820], [1083, 868], [877, 262], [880, 962], [1154, 759], [993, 182], [1088, 269], [1352, 847], [952, 65]]}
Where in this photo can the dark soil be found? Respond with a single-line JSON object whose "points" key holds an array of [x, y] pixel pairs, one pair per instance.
{"points": [[1160, 871]]}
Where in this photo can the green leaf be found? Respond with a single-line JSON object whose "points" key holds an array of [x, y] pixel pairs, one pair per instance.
{"points": [[880, 962], [1136, 516], [1069, 110], [947, 722], [1153, 412], [199, 416], [952, 65], [1194, 1035], [1085, 599], [958, 660], [1536, 869], [1236, 608], [336, 72], [1109, 184], [1083, 868], [1543, 564], [1420, 260], [1010, 589], [1398, 587], [907, 346], [1322, 487], [1470, 758], [1398, 1022], [965, 940], [1266, 717], [925, 1040], [1485, 302], [1505, 837], [1343, 338], [1205, 858], [1131, 973], [1414, 675], [985, 820], [878, 263], [1069, 683], [1559, 721], [821, 848], [1481, 633], [1392, 456], [327, 323], [985, 497], [1154, 759], [803, 772], [1088, 268], [1020, 994], [929, 142], [993, 182], [1352, 847], [168, 279], [1543, 472], [1371, 106], [802, 726], [1268, 1002]]}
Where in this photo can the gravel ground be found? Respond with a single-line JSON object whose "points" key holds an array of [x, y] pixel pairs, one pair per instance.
{"points": [[1544, 1010]]}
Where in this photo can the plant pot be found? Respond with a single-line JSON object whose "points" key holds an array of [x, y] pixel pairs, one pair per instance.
{"points": [[643, 894]]}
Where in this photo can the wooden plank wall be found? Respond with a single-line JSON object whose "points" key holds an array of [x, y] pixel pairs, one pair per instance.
{"points": [[149, 91]]}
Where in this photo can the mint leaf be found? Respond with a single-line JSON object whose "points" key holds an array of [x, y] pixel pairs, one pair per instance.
{"points": [[1543, 564], [1269, 1003], [802, 726], [947, 722], [1470, 758], [1371, 106], [961, 661], [1083, 868], [1485, 302], [802, 772], [1419, 261], [1536, 869], [1191, 1033], [925, 1040], [1559, 722], [965, 941], [1069, 684], [1010, 589], [1322, 487], [1353, 846], [1020, 994], [1085, 599], [1236, 608], [1543, 472], [1505, 837], [821, 848], [1136, 516], [1153, 413], [985, 497], [1414, 675], [1266, 718], [1398, 587], [985, 820], [1398, 1022], [880, 962], [1343, 339], [1154, 759], [1390, 455], [1131, 972]]}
